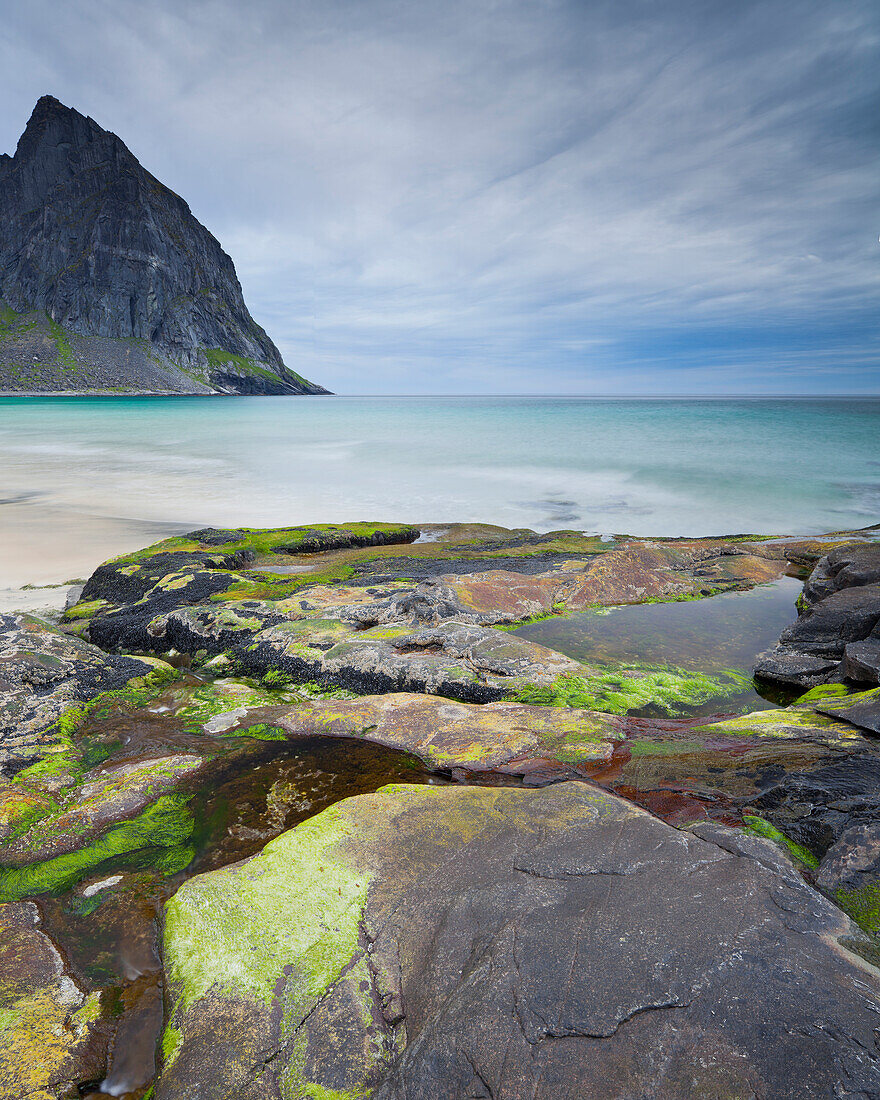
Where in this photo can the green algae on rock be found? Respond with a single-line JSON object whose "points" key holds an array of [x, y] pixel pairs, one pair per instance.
{"points": [[666, 691], [800, 855], [51, 678], [161, 832]]}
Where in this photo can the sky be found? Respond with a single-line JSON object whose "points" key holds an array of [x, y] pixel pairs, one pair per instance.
{"points": [[501, 196]]}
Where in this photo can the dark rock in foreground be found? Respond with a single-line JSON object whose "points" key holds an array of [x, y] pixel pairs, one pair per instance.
{"points": [[108, 282], [449, 942]]}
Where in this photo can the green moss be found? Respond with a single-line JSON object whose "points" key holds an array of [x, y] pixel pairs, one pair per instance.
{"points": [[85, 609], [262, 731], [275, 678], [219, 359], [263, 541], [313, 690], [263, 589], [823, 691], [172, 1040], [862, 904], [62, 343], [208, 945], [640, 747], [167, 824], [57, 763], [760, 827], [209, 700], [556, 610], [673, 691], [8, 1018], [787, 723]]}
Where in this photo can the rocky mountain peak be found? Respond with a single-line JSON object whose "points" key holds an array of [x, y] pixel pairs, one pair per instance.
{"points": [[97, 244]]}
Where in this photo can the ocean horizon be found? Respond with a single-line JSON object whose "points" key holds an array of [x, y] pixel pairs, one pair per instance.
{"points": [[100, 475]]}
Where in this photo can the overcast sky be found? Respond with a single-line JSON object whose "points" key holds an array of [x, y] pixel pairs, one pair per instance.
{"points": [[498, 196]]}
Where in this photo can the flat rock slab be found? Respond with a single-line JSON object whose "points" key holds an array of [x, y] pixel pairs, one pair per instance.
{"points": [[461, 661], [511, 737], [484, 942]]}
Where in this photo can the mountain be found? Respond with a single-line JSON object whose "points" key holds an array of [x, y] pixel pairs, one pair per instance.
{"points": [[108, 283]]}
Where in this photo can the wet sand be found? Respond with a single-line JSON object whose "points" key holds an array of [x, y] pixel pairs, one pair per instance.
{"points": [[46, 545]]}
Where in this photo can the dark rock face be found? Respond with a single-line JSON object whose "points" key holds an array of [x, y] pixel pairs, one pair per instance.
{"points": [[91, 239], [815, 809], [862, 710], [837, 634], [471, 942]]}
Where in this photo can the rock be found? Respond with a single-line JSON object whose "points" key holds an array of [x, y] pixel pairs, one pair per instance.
{"points": [[106, 260], [130, 807], [137, 625], [850, 874], [448, 942], [862, 710], [815, 808], [43, 673], [837, 634], [824, 628], [848, 566], [465, 662], [51, 1036], [861, 661], [509, 737], [74, 594], [689, 770], [787, 665]]}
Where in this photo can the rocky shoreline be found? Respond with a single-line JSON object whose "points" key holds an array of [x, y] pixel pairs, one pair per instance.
{"points": [[303, 813]]}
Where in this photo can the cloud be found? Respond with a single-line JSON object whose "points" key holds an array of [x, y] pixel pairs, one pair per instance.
{"points": [[507, 195]]}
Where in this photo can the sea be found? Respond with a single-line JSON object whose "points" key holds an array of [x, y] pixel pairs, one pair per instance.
{"points": [[83, 477]]}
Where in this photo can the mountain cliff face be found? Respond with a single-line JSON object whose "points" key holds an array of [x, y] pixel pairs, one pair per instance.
{"points": [[108, 282]]}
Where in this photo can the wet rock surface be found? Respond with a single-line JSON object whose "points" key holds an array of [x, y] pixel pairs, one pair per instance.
{"points": [[601, 956], [511, 738], [50, 1027]]}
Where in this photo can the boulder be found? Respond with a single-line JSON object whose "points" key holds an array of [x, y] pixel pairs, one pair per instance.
{"points": [[847, 566], [861, 660], [485, 942], [862, 709], [789, 666], [825, 627]]}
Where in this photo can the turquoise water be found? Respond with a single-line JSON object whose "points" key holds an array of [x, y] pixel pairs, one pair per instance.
{"points": [[644, 467]]}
